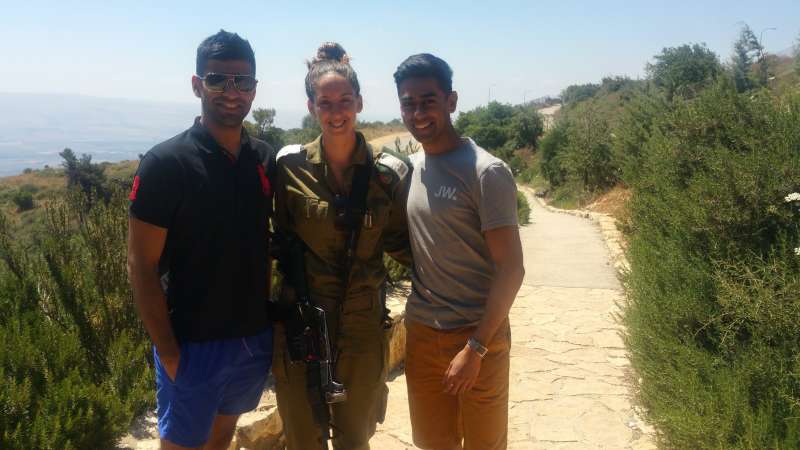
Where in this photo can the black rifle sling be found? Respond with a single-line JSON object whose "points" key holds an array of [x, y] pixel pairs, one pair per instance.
{"points": [[355, 211]]}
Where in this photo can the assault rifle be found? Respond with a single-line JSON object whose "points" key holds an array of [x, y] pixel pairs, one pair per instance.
{"points": [[308, 339]]}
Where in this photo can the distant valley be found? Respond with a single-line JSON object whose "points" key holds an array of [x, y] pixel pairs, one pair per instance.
{"points": [[34, 128]]}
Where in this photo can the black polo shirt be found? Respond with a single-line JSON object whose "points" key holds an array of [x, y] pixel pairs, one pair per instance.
{"points": [[216, 211]]}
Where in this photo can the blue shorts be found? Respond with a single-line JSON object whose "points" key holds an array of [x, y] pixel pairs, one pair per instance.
{"points": [[223, 377]]}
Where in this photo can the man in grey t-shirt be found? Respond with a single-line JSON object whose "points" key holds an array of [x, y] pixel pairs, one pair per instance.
{"points": [[462, 220]]}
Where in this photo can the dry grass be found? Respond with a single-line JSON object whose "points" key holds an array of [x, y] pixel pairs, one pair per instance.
{"points": [[375, 132], [122, 170], [42, 179], [612, 202]]}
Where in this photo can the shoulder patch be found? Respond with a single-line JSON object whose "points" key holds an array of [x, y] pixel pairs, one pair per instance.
{"points": [[394, 163], [289, 150]]}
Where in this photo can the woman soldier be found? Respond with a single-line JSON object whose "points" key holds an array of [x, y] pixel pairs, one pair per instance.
{"points": [[317, 202]]}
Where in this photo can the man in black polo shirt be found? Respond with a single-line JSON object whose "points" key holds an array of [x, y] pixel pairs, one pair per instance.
{"points": [[197, 256]]}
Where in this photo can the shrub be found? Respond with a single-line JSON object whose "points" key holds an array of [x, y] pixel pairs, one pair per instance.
{"points": [[713, 291], [523, 209], [587, 154], [396, 272], [489, 126], [23, 200], [75, 366], [636, 125], [526, 128], [579, 92], [29, 188], [552, 149], [82, 174], [684, 70]]}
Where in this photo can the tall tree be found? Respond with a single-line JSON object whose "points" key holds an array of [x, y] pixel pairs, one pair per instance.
{"points": [[264, 118], [84, 174], [265, 129], [684, 70], [526, 128], [746, 51]]}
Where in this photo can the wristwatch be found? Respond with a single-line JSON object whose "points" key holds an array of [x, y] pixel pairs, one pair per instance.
{"points": [[477, 346]]}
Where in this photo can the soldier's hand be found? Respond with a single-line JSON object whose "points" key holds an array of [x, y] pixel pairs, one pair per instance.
{"points": [[462, 372]]}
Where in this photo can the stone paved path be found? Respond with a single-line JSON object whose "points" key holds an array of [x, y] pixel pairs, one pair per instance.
{"points": [[569, 370]]}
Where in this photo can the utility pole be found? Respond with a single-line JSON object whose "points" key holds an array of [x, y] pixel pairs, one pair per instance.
{"points": [[762, 63], [761, 41]]}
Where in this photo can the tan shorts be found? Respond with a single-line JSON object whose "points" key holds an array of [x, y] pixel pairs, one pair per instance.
{"points": [[441, 421]]}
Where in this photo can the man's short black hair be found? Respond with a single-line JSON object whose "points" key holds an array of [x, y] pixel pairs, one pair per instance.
{"points": [[425, 65], [224, 46]]}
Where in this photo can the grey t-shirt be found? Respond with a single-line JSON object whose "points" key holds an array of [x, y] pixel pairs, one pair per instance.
{"points": [[453, 198]]}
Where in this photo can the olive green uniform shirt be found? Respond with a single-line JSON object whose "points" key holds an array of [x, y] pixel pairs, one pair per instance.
{"points": [[304, 203]]}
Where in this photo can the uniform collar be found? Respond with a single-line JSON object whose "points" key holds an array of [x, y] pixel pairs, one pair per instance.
{"points": [[315, 152], [206, 142]]}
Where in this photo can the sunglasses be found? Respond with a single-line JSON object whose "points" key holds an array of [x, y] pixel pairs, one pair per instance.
{"points": [[217, 82]]}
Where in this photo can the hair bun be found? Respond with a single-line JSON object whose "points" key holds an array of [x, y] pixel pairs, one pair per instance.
{"points": [[331, 51]]}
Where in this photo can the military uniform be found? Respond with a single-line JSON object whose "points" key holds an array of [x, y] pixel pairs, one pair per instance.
{"points": [[304, 198]]}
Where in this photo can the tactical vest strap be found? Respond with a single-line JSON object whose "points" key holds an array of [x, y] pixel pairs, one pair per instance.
{"points": [[356, 208]]}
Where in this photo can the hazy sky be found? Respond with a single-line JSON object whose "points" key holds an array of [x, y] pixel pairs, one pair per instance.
{"points": [[510, 50]]}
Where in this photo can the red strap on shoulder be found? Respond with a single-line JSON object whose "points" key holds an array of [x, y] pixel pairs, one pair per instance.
{"points": [[134, 189], [265, 185]]}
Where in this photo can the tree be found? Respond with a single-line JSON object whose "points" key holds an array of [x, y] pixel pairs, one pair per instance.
{"points": [[578, 92], [489, 126], [746, 50], [526, 128], [310, 122], [552, 149], [264, 118], [83, 174], [616, 83], [587, 154], [684, 70], [264, 127]]}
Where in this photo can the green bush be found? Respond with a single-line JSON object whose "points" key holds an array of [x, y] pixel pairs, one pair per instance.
{"points": [[579, 92], [523, 209], [395, 271], [578, 151], [636, 123], [23, 200], [551, 149], [85, 175], [714, 291], [497, 126], [75, 367], [684, 70], [587, 154]]}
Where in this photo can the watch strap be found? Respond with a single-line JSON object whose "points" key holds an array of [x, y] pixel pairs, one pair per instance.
{"points": [[479, 348]]}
